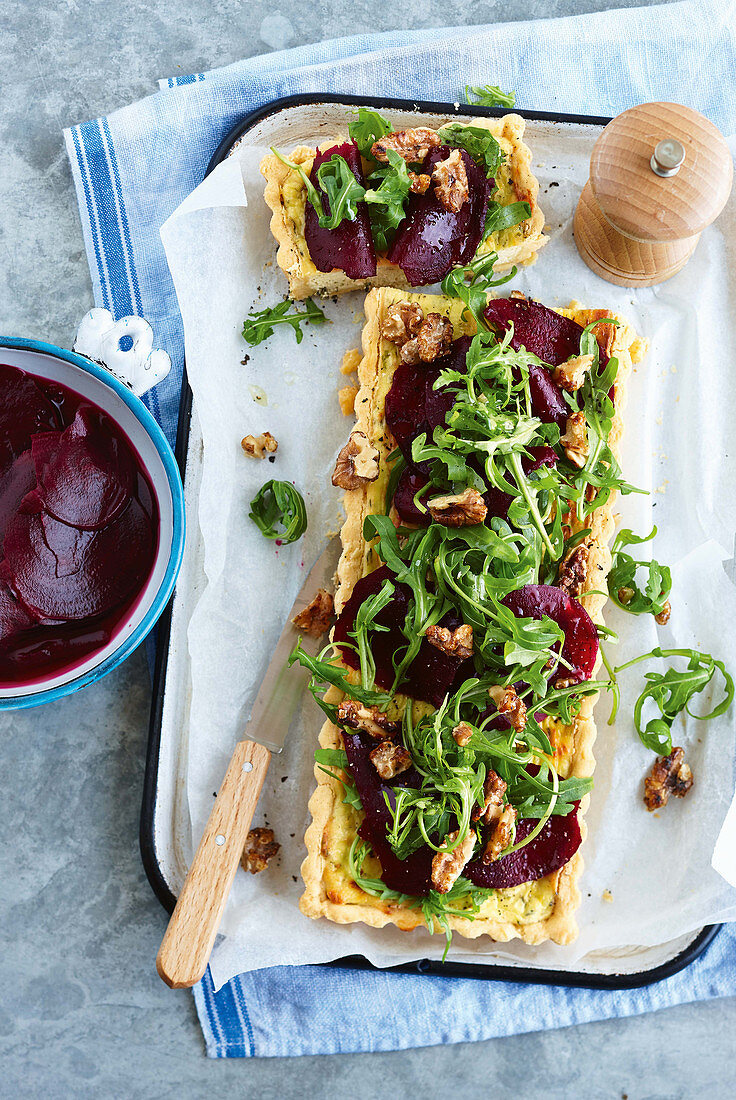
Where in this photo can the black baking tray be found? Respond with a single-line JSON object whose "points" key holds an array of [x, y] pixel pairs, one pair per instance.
{"points": [[151, 864]]}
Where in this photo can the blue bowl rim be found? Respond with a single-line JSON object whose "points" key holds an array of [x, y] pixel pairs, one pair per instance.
{"points": [[176, 553]]}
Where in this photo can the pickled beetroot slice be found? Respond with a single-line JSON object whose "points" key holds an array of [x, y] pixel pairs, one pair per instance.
{"points": [[413, 405], [408, 485], [67, 574], [556, 843], [348, 247], [15, 483], [546, 334], [24, 409], [580, 648], [432, 239], [15, 619], [431, 674], [85, 473], [539, 329]]}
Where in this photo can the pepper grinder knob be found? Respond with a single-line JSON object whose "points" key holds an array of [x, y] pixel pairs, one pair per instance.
{"points": [[659, 174]]}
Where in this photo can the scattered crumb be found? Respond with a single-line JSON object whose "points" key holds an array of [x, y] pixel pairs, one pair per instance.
{"points": [[346, 397], [658, 421], [358, 317], [662, 488], [245, 360], [607, 895], [351, 361], [258, 394]]}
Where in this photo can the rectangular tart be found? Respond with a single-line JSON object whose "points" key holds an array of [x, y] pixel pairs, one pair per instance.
{"points": [[286, 196], [535, 911]]}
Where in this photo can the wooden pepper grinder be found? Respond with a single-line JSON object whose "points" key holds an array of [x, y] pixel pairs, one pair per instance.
{"points": [[659, 174]]}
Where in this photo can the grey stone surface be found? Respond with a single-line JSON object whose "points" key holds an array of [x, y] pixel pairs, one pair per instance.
{"points": [[82, 1012]]}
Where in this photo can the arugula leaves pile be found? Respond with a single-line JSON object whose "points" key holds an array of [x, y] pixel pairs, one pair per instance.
{"points": [[279, 512], [488, 95]]}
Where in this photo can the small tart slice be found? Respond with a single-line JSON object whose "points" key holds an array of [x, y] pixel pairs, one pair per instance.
{"points": [[286, 196]]}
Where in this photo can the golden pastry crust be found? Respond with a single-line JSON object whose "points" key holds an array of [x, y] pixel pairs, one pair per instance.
{"points": [[286, 197], [534, 912]]}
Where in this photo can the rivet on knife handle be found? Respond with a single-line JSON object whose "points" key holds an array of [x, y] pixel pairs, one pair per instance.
{"points": [[187, 944]]}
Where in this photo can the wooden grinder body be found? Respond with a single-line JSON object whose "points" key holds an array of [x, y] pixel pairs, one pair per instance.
{"points": [[634, 227]]}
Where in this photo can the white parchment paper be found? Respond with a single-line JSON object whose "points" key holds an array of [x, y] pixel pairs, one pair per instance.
{"points": [[680, 443]]}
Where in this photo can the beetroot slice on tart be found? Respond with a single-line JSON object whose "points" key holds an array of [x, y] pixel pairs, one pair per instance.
{"points": [[349, 247], [580, 647], [24, 410], [432, 239], [412, 403], [432, 672], [556, 844], [67, 574], [85, 473], [547, 334]]}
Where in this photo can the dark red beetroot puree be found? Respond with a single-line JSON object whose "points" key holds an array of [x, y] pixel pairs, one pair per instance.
{"points": [[78, 528]]}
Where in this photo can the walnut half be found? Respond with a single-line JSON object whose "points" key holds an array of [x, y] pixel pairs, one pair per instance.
{"points": [[669, 775], [258, 446], [571, 375], [316, 616], [448, 866], [575, 440], [412, 145], [456, 643], [494, 788], [260, 848], [432, 341], [357, 463], [509, 705], [371, 720], [502, 835], [458, 509], [390, 759], [451, 182], [574, 570]]}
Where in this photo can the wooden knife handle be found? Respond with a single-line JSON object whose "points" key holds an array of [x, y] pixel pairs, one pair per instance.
{"points": [[188, 941]]}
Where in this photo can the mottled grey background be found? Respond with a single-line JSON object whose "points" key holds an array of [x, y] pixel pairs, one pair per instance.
{"points": [[82, 1012]]}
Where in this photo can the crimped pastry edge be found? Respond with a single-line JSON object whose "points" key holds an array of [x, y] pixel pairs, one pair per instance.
{"points": [[560, 925], [292, 248]]}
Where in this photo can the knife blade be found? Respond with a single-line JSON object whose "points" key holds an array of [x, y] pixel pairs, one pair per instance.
{"points": [[282, 687], [188, 941]]}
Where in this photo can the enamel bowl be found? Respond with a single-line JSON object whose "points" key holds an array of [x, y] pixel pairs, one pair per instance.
{"points": [[100, 387]]}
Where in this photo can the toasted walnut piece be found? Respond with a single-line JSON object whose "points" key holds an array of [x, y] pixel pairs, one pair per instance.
{"points": [[456, 643], [346, 396], [510, 705], [357, 463], [412, 145], [432, 341], [258, 446], [664, 615], [518, 294], [451, 182], [494, 788], [260, 847], [669, 775], [571, 375], [462, 734], [351, 361], [625, 595], [575, 439], [315, 618], [502, 835], [401, 322], [371, 720], [419, 183], [448, 866], [574, 570], [459, 509], [390, 759]]}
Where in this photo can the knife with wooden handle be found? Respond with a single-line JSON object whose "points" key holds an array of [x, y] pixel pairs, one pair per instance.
{"points": [[188, 941]]}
